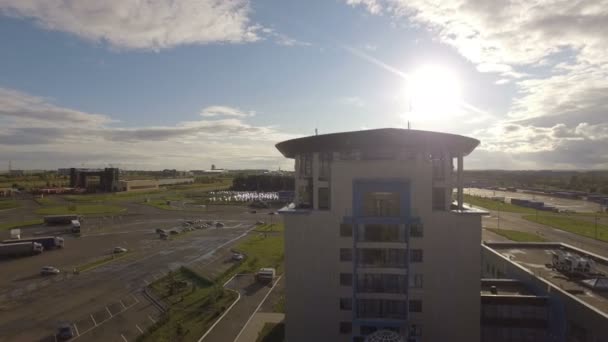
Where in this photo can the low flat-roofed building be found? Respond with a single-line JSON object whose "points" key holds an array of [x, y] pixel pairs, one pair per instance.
{"points": [[139, 185], [577, 310]]}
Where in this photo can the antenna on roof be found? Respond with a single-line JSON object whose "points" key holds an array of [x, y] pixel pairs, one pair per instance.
{"points": [[408, 124], [316, 131]]}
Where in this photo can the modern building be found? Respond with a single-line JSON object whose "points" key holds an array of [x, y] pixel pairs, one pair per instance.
{"points": [[572, 279], [375, 247]]}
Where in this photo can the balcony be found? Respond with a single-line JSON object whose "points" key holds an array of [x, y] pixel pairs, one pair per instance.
{"points": [[378, 309]]}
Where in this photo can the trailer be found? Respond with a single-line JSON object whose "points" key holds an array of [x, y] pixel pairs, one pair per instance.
{"points": [[20, 249], [61, 219], [48, 242], [571, 264]]}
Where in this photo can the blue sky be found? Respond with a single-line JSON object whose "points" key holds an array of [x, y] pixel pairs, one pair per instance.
{"points": [[185, 84]]}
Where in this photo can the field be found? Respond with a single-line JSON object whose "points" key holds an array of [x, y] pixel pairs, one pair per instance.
{"points": [[7, 226], [496, 205], [8, 204], [516, 235], [81, 209], [195, 303], [572, 225]]}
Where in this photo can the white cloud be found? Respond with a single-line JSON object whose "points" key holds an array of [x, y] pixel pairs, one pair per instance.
{"points": [[133, 24], [213, 111], [373, 6], [351, 101], [38, 134]]}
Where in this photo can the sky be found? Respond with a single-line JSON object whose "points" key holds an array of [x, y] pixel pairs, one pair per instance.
{"points": [[188, 83]]}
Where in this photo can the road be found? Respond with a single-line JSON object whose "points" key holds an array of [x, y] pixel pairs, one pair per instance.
{"points": [[561, 203], [106, 304]]}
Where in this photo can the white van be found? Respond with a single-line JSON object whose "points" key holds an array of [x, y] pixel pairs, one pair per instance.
{"points": [[266, 274]]}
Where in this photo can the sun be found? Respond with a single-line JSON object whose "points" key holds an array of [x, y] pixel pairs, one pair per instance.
{"points": [[433, 92]]}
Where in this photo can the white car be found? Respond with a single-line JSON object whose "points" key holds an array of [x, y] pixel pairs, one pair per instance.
{"points": [[118, 250], [49, 270]]}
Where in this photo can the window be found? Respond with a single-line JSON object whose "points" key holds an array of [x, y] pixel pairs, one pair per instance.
{"points": [[346, 304], [346, 327], [438, 198], [346, 279], [381, 257], [381, 232], [346, 254], [416, 229], [416, 281], [381, 204], [416, 255], [381, 283], [346, 230], [381, 308], [323, 198], [415, 331], [415, 305], [324, 161], [438, 167], [306, 165]]}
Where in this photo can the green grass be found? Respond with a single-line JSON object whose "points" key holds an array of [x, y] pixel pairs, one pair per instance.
{"points": [[496, 205], [192, 309], [112, 197], [99, 262], [160, 204], [44, 201], [7, 226], [280, 305], [8, 204], [272, 332], [261, 251], [81, 209], [516, 235], [275, 227], [572, 225]]}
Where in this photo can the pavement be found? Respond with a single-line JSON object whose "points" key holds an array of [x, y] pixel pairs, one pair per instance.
{"points": [[252, 296], [253, 329]]}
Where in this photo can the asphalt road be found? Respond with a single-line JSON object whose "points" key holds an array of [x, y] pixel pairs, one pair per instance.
{"points": [[106, 304], [558, 202]]}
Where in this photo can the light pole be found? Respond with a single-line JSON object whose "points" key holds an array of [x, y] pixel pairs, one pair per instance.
{"points": [[596, 218]]}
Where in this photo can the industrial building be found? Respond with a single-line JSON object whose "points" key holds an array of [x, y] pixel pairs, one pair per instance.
{"points": [[572, 282], [139, 185], [375, 248], [95, 180]]}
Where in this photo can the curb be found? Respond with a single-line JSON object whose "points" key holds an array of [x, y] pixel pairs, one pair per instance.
{"points": [[157, 302]]}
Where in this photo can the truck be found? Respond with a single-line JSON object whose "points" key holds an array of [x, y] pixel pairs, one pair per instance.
{"points": [[75, 226], [61, 219], [48, 242], [20, 249]]}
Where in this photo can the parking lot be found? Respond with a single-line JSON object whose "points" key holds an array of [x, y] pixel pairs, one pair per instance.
{"points": [[106, 303]]}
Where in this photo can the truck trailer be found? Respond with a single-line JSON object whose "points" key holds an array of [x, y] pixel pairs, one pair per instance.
{"points": [[61, 219], [48, 242], [20, 249]]}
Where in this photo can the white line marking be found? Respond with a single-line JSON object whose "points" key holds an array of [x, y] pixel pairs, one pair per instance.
{"points": [[123, 338], [109, 312], [152, 319], [136, 300], [222, 316], [147, 282], [122, 305], [76, 328], [257, 309], [138, 328], [93, 320]]}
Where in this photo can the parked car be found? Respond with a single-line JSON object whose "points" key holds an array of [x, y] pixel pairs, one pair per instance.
{"points": [[253, 211], [65, 332], [173, 232], [49, 270], [237, 256], [164, 235], [219, 225], [259, 223], [159, 231], [118, 250]]}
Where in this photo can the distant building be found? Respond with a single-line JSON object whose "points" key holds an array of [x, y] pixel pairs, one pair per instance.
{"points": [[576, 308], [138, 185], [374, 245]]}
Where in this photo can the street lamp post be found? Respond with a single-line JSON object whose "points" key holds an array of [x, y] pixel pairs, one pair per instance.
{"points": [[596, 218]]}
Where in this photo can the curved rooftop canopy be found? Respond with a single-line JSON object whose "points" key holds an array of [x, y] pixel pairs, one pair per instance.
{"points": [[384, 138]]}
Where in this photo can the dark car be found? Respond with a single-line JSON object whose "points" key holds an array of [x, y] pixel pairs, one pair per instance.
{"points": [[159, 231], [65, 332]]}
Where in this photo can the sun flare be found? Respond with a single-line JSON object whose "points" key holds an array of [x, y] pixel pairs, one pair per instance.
{"points": [[433, 92]]}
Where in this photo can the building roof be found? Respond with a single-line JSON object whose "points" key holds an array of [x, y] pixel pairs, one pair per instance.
{"points": [[379, 139]]}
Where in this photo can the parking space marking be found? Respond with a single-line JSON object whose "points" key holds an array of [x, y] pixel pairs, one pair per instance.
{"points": [[93, 319], [76, 328], [109, 312], [147, 282], [123, 338], [152, 319], [123, 305], [138, 328]]}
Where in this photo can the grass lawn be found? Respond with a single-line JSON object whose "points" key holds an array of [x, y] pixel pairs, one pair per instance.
{"points": [[112, 197], [516, 235], [272, 332], [99, 262], [81, 209], [8, 204], [160, 204], [572, 225], [7, 226], [44, 201], [496, 205], [194, 306], [280, 305], [262, 250]]}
